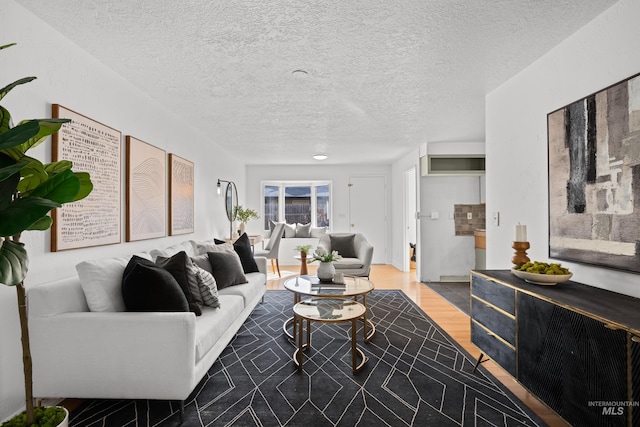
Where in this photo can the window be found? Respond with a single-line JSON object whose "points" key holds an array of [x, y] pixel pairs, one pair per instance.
{"points": [[297, 202], [271, 203]]}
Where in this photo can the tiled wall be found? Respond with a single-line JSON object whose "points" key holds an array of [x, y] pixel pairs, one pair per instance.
{"points": [[466, 226]]}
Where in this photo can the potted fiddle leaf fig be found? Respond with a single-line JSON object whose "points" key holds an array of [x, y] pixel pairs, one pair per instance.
{"points": [[30, 189]]}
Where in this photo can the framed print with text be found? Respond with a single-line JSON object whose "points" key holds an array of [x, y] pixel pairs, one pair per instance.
{"points": [[94, 148]]}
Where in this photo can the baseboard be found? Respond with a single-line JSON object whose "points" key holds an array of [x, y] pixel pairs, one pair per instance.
{"points": [[454, 278]]}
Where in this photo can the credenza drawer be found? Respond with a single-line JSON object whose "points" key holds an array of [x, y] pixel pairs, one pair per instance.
{"points": [[501, 353], [495, 293], [498, 322]]}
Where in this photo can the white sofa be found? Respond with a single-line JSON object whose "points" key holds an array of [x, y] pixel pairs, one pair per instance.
{"points": [[78, 353]]}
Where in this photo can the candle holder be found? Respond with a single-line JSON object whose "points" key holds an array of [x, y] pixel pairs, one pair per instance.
{"points": [[520, 257]]}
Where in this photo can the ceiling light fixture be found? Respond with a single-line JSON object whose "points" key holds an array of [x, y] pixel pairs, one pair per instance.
{"points": [[299, 73], [320, 156]]}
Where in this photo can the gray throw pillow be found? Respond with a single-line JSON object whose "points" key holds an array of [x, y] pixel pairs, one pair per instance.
{"points": [[226, 269], [344, 245], [203, 262], [303, 230]]}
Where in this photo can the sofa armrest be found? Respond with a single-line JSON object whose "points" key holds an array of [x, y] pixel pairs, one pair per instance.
{"points": [[103, 351], [365, 253], [262, 264]]}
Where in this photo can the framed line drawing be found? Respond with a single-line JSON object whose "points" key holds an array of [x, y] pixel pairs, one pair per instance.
{"points": [[146, 206], [181, 180], [94, 148], [594, 178]]}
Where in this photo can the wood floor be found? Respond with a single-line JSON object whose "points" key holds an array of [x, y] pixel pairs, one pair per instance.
{"points": [[452, 320]]}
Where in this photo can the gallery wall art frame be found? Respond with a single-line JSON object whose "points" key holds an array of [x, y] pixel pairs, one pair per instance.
{"points": [[594, 178], [146, 203], [181, 195], [97, 149]]}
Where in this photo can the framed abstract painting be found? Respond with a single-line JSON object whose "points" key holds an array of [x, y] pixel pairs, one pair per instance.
{"points": [[181, 180], [146, 191], [594, 178]]}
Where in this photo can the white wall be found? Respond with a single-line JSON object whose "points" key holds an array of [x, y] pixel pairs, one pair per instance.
{"points": [[70, 77], [600, 54], [337, 174]]}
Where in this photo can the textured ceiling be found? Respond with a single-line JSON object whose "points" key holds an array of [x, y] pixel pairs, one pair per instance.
{"points": [[380, 76]]}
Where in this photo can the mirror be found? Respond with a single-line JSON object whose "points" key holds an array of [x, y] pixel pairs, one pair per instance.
{"points": [[231, 201]]}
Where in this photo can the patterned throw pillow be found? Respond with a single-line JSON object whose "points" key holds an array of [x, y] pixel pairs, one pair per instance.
{"points": [[208, 287]]}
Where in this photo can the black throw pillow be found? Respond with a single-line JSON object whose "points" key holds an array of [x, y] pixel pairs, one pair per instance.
{"points": [[218, 241], [344, 245], [226, 269], [182, 269], [149, 287], [242, 246]]}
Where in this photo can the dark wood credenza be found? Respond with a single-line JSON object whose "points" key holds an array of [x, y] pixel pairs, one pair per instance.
{"points": [[576, 347]]}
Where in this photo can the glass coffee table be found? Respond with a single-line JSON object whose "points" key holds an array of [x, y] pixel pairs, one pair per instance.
{"points": [[310, 286], [327, 310]]}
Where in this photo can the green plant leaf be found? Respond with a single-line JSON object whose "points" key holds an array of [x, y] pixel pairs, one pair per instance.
{"points": [[5, 90], [19, 135], [42, 224], [61, 188], [57, 167], [7, 45], [33, 175], [46, 127], [20, 214], [5, 119], [86, 186], [10, 170], [14, 262]]}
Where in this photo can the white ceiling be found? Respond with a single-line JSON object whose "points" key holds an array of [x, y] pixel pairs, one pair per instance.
{"points": [[381, 76]]}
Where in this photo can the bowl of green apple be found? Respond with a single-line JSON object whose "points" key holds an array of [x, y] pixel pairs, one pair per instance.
{"points": [[542, 273]]}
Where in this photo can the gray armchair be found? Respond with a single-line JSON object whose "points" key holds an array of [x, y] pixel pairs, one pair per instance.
{"points": [[356, 252]]}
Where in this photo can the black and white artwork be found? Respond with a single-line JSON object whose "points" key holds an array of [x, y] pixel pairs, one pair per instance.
{"points": [[95, 148], [594, 178]]}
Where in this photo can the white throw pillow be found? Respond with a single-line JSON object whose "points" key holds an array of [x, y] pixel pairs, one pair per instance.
{"points": [[317, 231], [289, 231], [101, 281]]}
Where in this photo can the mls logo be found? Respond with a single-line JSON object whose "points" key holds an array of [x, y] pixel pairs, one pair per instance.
{"points": [[613, 410]]}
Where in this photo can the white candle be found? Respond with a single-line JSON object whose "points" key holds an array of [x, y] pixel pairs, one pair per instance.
{"points": [[521, 233]]}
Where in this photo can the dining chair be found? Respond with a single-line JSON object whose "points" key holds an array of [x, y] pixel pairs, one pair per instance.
{"points": [[273, 246]]}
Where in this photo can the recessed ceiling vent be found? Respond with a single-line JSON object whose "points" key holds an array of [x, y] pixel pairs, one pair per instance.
{"points": [[452, 165]]}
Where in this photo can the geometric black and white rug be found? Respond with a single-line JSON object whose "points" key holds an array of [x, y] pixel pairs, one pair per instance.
{"points": [[415, 375]]}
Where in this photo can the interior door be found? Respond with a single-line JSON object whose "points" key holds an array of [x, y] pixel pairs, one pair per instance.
{"points": [[368, 212]]}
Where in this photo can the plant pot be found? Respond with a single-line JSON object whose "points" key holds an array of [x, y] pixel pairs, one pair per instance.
{"points": [[303, 264], [326, 271], [241, 228], [19, 420]]}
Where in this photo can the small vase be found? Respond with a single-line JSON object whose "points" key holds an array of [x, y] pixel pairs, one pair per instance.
{"points": [[325, 272], [241, 228]]}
